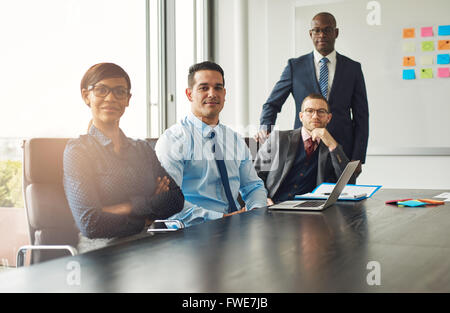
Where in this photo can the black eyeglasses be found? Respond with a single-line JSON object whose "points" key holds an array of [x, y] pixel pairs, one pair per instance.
{"points": [[102, 91], [326, 31], [320, 112]]}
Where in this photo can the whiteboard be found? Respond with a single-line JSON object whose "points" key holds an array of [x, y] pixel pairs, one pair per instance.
{"points": [[405, 117]]}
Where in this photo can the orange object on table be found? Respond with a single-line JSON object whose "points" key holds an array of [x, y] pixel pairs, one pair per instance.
{"points": [[431, 201]]}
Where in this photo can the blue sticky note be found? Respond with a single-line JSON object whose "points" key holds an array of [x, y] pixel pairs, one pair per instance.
{"points": [[443, 59], [444, 30], [409, 74], [411, 203]]}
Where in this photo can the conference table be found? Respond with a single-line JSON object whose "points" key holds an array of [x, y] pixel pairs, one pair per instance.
{"points": [[363, 246]]}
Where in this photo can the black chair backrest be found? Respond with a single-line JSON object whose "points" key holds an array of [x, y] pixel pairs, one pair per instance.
{"points": [[253, 146], [49, 217], [152, 142]]}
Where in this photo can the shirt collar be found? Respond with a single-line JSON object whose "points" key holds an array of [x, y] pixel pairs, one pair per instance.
{"points": [[331, 57], [204, 128], [306, 136], [104, 140]]}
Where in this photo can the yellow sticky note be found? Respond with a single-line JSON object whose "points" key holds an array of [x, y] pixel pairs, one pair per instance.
{"points": [[409, 61], [409, 46], [409, 33], [426, 73], [444, 45], [426, 60], [427, 45]]}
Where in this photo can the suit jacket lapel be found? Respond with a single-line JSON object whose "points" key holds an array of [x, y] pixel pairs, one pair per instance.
{"points": [[312, 73], [292, 152], [337, 76], [285, 161]]}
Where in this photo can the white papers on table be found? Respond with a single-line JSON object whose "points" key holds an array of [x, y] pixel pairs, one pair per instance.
{"points": [[444, 196], [350, 192]]}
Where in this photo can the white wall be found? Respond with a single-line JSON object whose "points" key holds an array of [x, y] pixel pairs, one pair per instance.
{"points": [[271, 34]]}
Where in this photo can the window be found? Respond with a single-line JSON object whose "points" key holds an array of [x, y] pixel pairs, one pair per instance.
{"points": [[52, 43], [153, 72], [48, 48], [46, 55], [190, 46], [185, 52]]}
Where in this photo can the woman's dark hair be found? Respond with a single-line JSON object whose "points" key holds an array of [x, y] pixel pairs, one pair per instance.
{"points": [[102, 71]]}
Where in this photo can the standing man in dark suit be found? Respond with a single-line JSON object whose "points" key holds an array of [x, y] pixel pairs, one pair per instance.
{"points": [[339, 79], [296, 161]]}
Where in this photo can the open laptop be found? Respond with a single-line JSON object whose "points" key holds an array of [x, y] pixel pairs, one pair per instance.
{"points": [[319, 205]]}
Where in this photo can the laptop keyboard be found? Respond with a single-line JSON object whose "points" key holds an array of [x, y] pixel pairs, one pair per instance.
{"points": [[309, 204]]}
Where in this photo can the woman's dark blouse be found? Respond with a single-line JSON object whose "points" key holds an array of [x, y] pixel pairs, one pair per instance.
{"points": [[96, 177]]}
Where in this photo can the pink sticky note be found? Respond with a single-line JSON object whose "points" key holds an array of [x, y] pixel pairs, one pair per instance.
{"points": [[426, 31], [444, 72]]}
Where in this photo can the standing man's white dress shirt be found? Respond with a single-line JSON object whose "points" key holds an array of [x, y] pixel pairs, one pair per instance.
{"points": [[331, 67]]}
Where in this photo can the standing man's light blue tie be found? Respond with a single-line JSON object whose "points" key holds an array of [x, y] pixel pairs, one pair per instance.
{"points": [[223, 172], [323, 80]]}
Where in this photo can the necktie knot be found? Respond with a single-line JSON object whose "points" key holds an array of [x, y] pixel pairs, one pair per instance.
{"points": [[324, 60], [212, 135]]}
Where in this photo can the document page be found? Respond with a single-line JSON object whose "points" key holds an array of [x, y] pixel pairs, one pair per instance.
{"points": [[445, 195], [349, 192]]}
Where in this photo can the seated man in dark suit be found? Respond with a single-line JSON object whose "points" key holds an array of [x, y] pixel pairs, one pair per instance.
{"points": [[296, 161]]}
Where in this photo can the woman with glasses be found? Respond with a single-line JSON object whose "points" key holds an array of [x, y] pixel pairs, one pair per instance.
{"points": [[115, 185]]}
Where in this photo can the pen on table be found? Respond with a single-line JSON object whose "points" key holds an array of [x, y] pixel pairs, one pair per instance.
{"points": [[357, 196], [329, 193], [395, 201]]}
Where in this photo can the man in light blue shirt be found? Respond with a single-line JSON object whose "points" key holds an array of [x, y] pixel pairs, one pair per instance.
{"points": [[190, 149]]}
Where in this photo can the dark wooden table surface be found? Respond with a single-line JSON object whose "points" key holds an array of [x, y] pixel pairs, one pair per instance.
{"points": [[264, 251]]}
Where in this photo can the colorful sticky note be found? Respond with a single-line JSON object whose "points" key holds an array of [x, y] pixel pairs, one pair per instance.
{"points": [[426, 73], [409, 46], [444, 30], [427, 45], [411, 203], [409, 61], [409, 33], [409, 74], [426, 60], [444, 44], [426, 31], [443, 72], [443, 58]]}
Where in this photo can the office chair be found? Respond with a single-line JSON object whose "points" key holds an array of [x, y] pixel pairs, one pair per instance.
{"points": [[152, 142], [52, 229], [252, 145]]}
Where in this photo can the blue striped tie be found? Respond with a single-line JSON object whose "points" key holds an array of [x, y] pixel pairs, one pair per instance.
{"points": [[223, 172], [323, 80]]}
